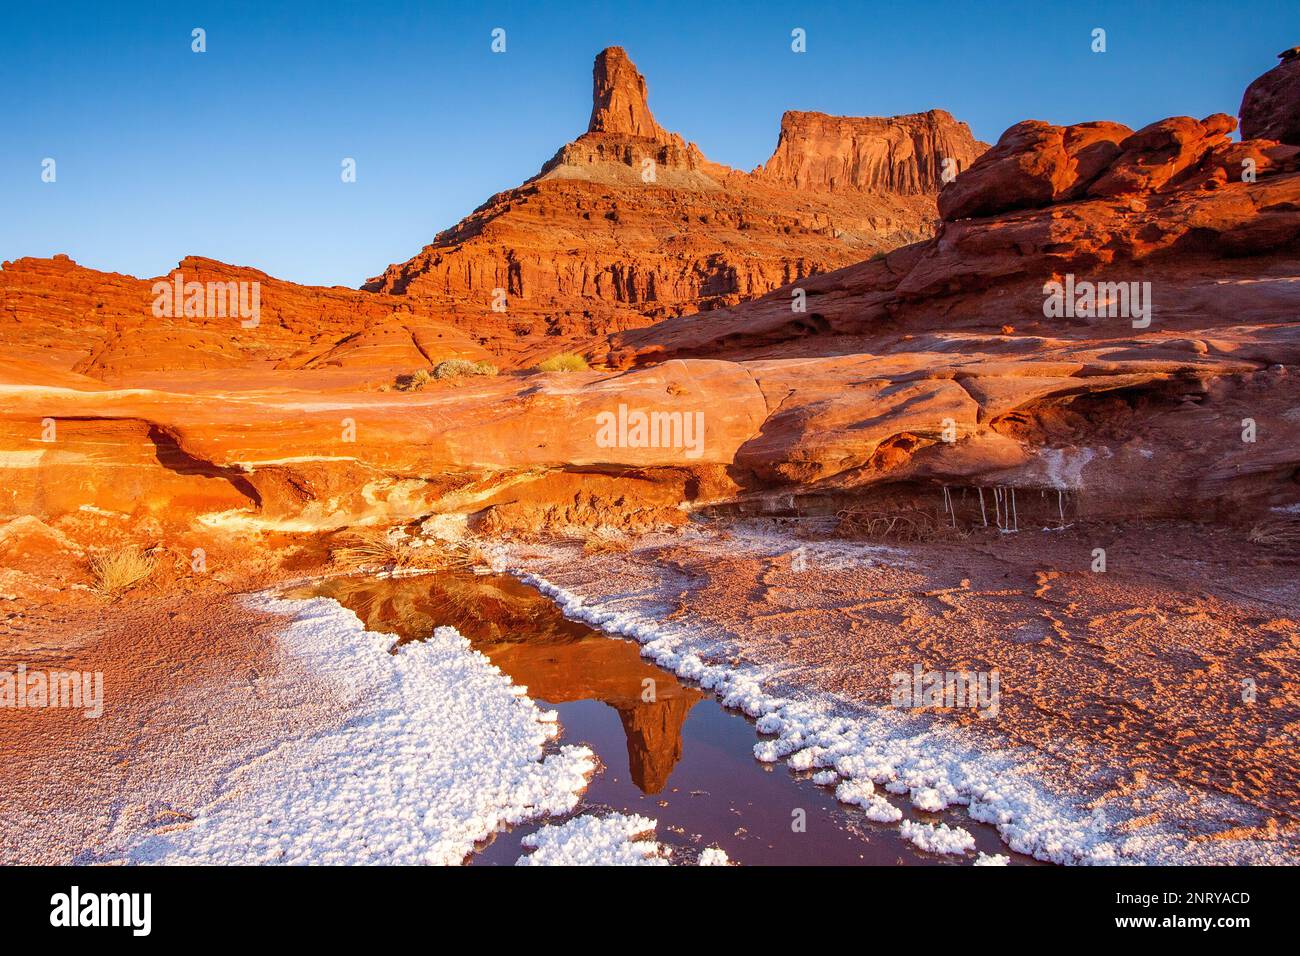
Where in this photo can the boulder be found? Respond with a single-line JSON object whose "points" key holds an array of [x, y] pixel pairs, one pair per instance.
{"points": [[1270, 108]]}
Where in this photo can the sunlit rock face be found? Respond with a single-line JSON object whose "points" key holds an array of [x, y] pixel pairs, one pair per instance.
{"points": [[942, 362], [907, 155], [618, 100], [630, 223], [1270, 108]]}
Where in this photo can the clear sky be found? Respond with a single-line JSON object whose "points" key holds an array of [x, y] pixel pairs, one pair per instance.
{"points": [[235, 153]]}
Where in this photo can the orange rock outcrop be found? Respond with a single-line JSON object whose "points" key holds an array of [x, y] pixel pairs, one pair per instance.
{"points": [[1270, 107], [104, 325], [629, 223], [939, 363]]}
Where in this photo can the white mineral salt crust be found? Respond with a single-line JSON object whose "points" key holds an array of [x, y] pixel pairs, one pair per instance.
{"points": [[927, 799], [941, 765], [862, 792], [432, 749], [619, 839], [937, 839]]}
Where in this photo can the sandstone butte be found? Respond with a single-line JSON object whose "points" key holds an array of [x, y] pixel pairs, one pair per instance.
{"points": [[629, 223], [199, 425], [586, 247]]}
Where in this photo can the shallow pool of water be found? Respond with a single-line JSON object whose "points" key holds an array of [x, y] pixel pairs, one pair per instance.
{"points": [[668, 750]]}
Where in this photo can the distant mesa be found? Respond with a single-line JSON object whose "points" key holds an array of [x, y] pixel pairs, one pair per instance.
{"points": [[626, 225], [898, 154], [682, 281], [629, 223]]}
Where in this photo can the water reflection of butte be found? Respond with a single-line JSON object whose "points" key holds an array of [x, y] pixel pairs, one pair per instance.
{"points": [[558, 660], [650, 702], [654, 739]]}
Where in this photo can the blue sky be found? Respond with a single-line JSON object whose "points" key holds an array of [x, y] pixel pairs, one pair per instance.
{"points": [[235, 153]]}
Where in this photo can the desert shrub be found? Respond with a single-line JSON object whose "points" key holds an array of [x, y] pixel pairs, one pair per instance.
{"points": [[414, 381], [121, 569], [455, 368], [904, 524], [602, 541], [370, 549], [386, 550], [564, 362], [1279, 534]]}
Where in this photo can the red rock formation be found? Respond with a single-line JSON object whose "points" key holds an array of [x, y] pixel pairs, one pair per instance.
{"points": [[618, 98], [847, 395], [629, 223], [957, 328], [101, 324], [1270, 108], [901, 154], [1152, 159], [626, 225], [1036, 164]]}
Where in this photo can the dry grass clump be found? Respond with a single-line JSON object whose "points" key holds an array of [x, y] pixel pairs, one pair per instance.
{"points": [[371, 549], [381, 550], [414, 381], [904, 524], [1279, 534], [597, 540], [121, 569], [602, 541], [474, 556], [452, 368], [564, 362], [455, 368]]}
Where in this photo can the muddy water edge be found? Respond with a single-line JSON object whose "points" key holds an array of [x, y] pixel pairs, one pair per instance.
{"points": [[668, 750]]}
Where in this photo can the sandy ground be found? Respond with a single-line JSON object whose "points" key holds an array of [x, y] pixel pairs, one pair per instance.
{"points": [[232, 735], [190, 687], [1127, 684], [192, 684]]}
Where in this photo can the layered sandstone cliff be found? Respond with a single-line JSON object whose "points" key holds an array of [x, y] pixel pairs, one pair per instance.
{"points": [[629, 223], [1116, 402], [626, 225], [105, 325], [905, 155], [1179, 248], [619, 101]]}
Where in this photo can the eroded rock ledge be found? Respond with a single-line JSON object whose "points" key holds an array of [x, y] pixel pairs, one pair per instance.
{"points": [[934, 365]]}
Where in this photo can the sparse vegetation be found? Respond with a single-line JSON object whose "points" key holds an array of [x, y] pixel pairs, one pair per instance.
{"points": [[452, 368], [414, 381], [1279, 534], [374, 550], [455, 368], [564, 362], [906, 524], [604, 541], [121, 569]]}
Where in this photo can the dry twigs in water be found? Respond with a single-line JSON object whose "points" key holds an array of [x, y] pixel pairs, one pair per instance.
{"points": [[906, 524]]}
